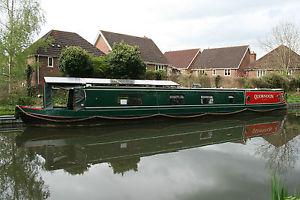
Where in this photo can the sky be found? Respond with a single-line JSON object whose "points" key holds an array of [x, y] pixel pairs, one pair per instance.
{"points": [[174, 24]]}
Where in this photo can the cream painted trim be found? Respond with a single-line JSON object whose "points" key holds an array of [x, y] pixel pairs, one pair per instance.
{"points": [[152, 63], [244, 56], [192, 59], [209, 69]]}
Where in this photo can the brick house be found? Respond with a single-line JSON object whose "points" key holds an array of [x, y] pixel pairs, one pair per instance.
{"points": [[274, 61], [150, 53], [226, 61], [48, 57], [182, 60]]}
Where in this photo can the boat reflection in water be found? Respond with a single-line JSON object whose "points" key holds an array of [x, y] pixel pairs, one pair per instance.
{"points": [[75, 150]]}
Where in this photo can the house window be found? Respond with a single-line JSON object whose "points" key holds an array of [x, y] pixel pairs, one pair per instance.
{"points": [[261, 73], [227, 72], [209, 99], [159, 67], [214, 72], [50, 62], [176, 99], [130, 99]]}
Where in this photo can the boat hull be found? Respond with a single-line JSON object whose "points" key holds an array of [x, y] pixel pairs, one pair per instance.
{"points": [[91, 117]]}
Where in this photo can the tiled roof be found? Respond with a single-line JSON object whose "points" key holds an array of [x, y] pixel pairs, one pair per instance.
{"points": [[227, 57], [274, 59], [63, 39], [149, 51], [181, 58]]}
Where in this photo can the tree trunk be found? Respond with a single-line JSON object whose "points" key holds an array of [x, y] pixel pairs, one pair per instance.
{"points": [[9, 73]]}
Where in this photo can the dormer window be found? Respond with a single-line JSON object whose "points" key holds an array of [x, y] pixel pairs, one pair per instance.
{"points": [[50, 62]]}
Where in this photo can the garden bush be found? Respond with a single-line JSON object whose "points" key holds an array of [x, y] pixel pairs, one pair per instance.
{"points": [[150, 75]]}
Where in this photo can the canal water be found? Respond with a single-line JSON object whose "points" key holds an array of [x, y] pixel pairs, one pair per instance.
{"points": [[229, 157]]}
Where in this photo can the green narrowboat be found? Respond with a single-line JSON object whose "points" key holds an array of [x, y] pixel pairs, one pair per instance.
{"points": [[96, 101]]}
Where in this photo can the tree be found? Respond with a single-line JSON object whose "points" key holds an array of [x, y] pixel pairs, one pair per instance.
{"points": [[284, 43], [125, 62], [20, 22], [100, 66], [75, 62]]}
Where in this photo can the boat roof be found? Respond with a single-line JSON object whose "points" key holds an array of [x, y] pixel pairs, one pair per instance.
{"points": [[103, 81]]}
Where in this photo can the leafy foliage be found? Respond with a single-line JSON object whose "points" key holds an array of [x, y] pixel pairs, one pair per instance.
{"points": [[150, 75], [272, 80], [75, 62], [160, 74], [20, 22], [100, 66], [125, 62]]}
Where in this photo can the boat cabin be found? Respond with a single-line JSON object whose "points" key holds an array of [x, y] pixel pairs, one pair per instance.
{"points": [[76, 90]]}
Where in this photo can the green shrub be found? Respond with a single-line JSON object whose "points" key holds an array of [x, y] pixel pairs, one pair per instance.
{"points": [[260, 83], [217, 81], [205, 81], [293, 83], [160, 74], [150, 75], [100, 67], [275, 80], [247, 83], [18, 97]]}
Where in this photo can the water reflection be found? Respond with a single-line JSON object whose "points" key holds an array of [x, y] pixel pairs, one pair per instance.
{"points": [[19, 172], [76, 150], [282, 150]]}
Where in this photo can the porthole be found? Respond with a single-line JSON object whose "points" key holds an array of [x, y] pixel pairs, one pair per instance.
{"points": [[248, 98]]}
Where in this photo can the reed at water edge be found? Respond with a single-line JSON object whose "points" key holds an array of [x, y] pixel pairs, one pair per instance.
{"points": [[279, 191]]}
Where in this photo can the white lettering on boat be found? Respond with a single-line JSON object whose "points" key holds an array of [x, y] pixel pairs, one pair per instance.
{"points": [[263, 96]]}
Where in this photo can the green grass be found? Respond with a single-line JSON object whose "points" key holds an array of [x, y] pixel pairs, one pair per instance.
{"points": [[7, 110], [293, 97]]}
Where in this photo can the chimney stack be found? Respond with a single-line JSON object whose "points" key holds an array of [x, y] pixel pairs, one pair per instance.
{"points": [[252, 57]]}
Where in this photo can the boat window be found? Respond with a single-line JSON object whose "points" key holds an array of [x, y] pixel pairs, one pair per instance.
{"points": [[60, 98], [130, 99], [209, 99], [231, 99], [176, 99]]}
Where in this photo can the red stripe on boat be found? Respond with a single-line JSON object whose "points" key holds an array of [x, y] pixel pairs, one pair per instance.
{"points": [[257, 97], [34, 108]]}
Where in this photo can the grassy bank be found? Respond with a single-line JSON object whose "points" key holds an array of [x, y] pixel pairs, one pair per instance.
{"points": [[293, 97], [7, 110]]}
